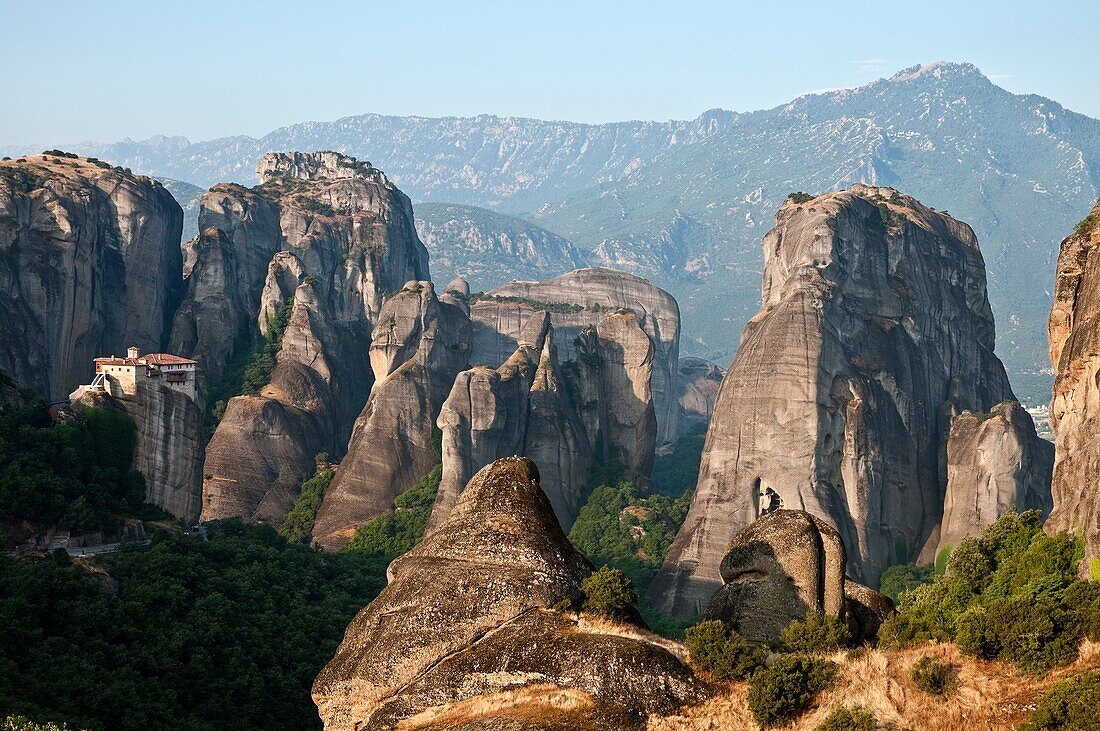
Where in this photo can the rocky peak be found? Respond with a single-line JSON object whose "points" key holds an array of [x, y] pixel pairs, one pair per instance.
{"points": [[875, 328], [90, 264], [467, 613], [420, 343], [995, 463], [326, 165]]}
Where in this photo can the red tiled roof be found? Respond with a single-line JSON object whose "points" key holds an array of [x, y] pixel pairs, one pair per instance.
{"points": [[153, 359], [165, 359]]}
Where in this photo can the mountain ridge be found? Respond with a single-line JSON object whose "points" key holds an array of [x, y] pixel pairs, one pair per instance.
{"points": [[685, 202]]}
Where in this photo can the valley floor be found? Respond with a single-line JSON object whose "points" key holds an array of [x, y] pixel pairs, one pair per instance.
{"points": [[991, 696]]}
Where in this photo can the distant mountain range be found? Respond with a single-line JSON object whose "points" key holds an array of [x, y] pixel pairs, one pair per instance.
{"points": [[686, 203]]}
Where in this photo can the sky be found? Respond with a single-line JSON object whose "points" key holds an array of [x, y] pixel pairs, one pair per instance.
{"points": [[104, 71]]}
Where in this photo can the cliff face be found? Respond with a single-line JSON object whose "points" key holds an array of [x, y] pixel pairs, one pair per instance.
{"points": [[420, 344], [89, 265], [516, 409], [580, 299], [697, 389], [875, 329], [168, 444], [995, 462], [335, 235], [1075, 406], [467, 614], [349, 228]]}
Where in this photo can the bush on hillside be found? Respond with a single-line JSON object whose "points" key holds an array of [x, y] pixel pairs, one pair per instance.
{"points": [[897, 580], [298, 524], [22, 723], [817, 634], [1069, 704], [934, 676], [75, 473], [715, 649], [609, 593], [1012, 594], [780, 693], [242, 622], [843, 718]]}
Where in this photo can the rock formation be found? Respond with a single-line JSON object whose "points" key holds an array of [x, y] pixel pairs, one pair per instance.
{"points": [[1075, 406], [697, 387], [519, 408], [875, 330], [784, 566], [168, 444], [420, 344], [580, 299], [349, 228], [466, 615], [995, 462], [89, 264], [328, 237]]}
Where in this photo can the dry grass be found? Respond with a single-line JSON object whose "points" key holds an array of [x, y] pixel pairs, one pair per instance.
{"points": [[592, 624], [990, 696], [532, 703]]}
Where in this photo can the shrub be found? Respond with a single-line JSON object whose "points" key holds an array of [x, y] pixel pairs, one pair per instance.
{"points": [[1011, 595], [715, 649], [934, 676], [781, 692], [818, 633], [22, 723], [799, 197], [842, 718], [1083, 598], [609, 593], [1070, 704], [897, 580], [298, 524]]}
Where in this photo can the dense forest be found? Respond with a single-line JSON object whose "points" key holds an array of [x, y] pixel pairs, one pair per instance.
{"points": [[242, 617]]}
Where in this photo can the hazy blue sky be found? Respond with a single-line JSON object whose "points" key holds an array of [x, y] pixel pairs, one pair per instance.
{"points": [[107, 70]]}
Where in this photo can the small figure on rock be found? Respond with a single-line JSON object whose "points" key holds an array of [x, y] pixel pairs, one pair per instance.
{"points": [[771, 502]]}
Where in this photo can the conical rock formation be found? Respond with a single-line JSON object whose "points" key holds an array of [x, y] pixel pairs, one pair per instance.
{"points": [[466, 617]]}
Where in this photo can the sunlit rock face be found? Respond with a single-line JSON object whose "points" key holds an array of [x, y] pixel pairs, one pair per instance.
{"points": [[323, 239], [995, 463], [90, 265], [1075, 406], [875, 330], [467, 615], [420, 344]]}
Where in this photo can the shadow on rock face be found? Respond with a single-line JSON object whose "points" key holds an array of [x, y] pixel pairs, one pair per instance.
{"points": [[465, 631]]}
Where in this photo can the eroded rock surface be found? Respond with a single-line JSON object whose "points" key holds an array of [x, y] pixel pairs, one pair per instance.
{"points": [[464, 629], [420, 344], [697, 389], [1075, 406], [90, 264], [168, 444], [348, 228], [784, 566], [995, 462], [577, 300], [875, 328], [327, 236], [516, 409]]}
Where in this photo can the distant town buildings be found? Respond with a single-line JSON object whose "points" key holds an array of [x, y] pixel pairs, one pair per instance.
{"points": [[125, 377]]}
